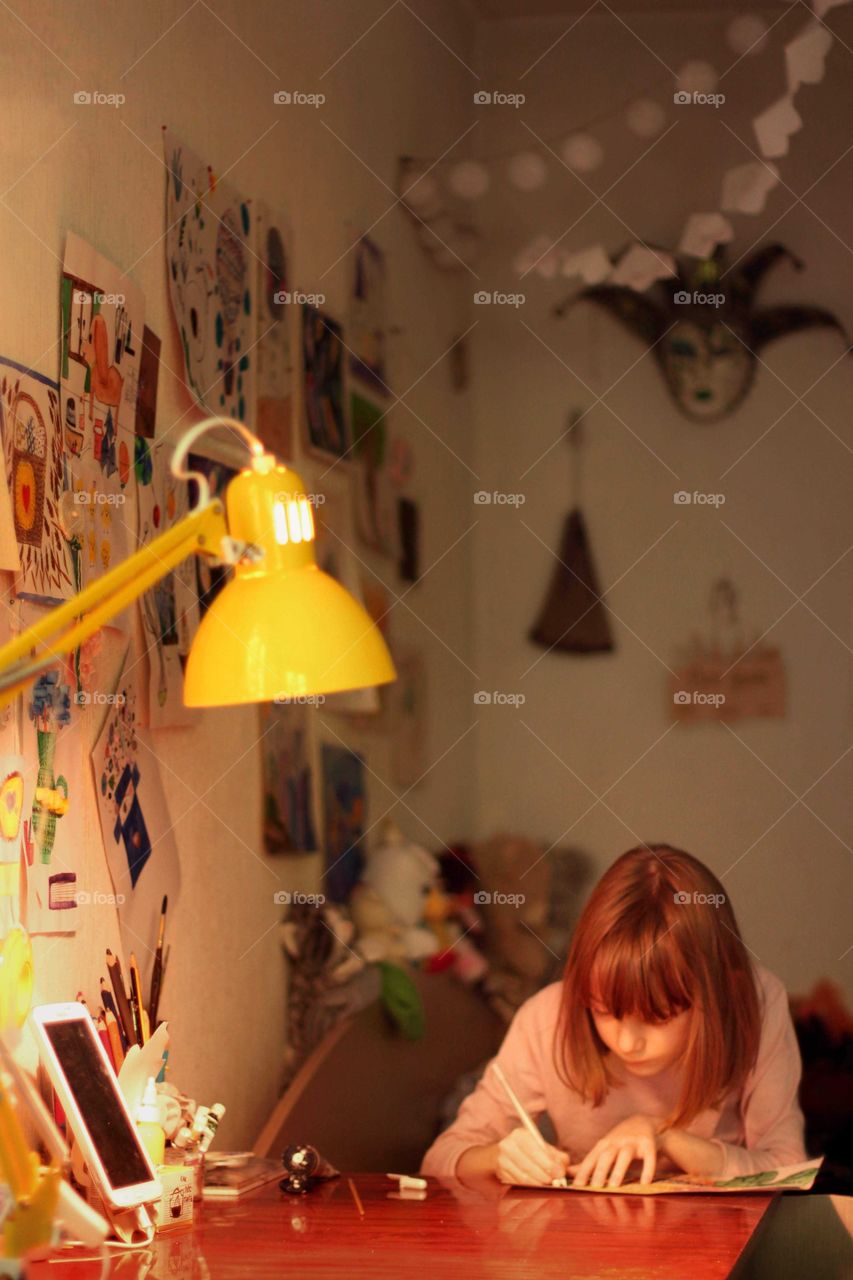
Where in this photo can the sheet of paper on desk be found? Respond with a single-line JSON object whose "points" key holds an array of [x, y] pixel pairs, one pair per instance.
{"points": [[792, 1177]]}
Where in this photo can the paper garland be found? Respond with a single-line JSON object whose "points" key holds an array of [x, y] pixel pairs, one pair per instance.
{"points": [[744, 188]]}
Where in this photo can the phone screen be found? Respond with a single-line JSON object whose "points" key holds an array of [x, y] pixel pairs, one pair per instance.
{"points": [[96, 1094]]}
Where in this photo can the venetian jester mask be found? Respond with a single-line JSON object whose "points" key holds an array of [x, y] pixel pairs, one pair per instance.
{"points": [[706, 329]]}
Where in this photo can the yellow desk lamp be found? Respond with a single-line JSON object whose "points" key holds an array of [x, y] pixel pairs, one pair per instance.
{"points": [[280, 628]]}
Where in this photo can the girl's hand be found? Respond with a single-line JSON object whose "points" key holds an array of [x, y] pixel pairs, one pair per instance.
{"points": [[607, 1163], [520, 1158]]}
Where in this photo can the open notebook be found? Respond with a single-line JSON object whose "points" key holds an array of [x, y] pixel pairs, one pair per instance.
{"points": [[792, 1177]]}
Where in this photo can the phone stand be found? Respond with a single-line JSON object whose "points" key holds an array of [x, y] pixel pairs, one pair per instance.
{"points": [[133, 1228]]}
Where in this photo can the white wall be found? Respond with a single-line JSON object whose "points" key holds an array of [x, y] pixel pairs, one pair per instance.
{"points": [[595, 726], [97, 171]]}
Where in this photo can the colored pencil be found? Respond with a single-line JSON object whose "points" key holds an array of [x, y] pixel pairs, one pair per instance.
{"points": [[104, 1037], [110, 1007], [112, 1025], [123, 1012]]}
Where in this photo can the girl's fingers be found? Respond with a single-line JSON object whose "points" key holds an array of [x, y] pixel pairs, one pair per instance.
{"points": [[507, 1170], [548, 1161], [539, 1168], [559, 1161], [602, 1168], [525, 1162], [649, 1160], [620, 1168], [585, 1168]]}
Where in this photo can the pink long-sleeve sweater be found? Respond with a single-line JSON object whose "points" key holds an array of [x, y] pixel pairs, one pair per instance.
{"points": [[761, 1128]]}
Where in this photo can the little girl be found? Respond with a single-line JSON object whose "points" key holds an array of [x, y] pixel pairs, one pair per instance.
{"points": [[663, 1043]]}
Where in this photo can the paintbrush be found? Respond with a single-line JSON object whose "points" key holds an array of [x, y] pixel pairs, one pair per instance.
{"points": [[157, 968]]}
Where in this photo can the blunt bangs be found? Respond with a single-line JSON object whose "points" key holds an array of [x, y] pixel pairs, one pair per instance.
{"points": [[645, 977]]}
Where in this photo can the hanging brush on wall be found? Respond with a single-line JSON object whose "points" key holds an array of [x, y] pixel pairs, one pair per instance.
{"points": [[573, 617]]}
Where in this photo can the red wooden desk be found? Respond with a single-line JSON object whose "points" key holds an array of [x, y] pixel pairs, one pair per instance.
{"points": [[455, 1232]]}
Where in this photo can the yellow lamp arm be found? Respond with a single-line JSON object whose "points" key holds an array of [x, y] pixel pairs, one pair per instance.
{"points": [[69, 624]]}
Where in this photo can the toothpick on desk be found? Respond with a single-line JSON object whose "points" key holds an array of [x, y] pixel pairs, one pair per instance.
{"points": [[356, 1197]]}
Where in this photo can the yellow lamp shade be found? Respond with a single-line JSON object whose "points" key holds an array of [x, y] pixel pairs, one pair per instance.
{"points": [[281, 628], [283, 635]]}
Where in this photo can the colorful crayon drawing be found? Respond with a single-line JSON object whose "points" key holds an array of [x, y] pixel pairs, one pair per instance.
{"points": [[13, 798], [50, 712], [344, 820], [376, 511], [130, 825], [149, 375], [102, 326], [323, 390], [208, 261], [53, 814], [288, 801], [118, 787], [138, 837], [34, 455], [169, 610], [792, 1177]]}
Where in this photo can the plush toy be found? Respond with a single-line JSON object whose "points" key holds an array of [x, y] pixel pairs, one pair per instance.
{"points": [[452, 919], [379, 936], [514, 903], [388, 905]]}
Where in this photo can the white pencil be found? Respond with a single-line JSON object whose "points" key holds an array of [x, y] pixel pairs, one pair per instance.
{"points": [[519, 1109]]}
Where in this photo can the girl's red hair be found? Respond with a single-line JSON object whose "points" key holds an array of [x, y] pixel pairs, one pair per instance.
{"points": [[657, 937]]}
